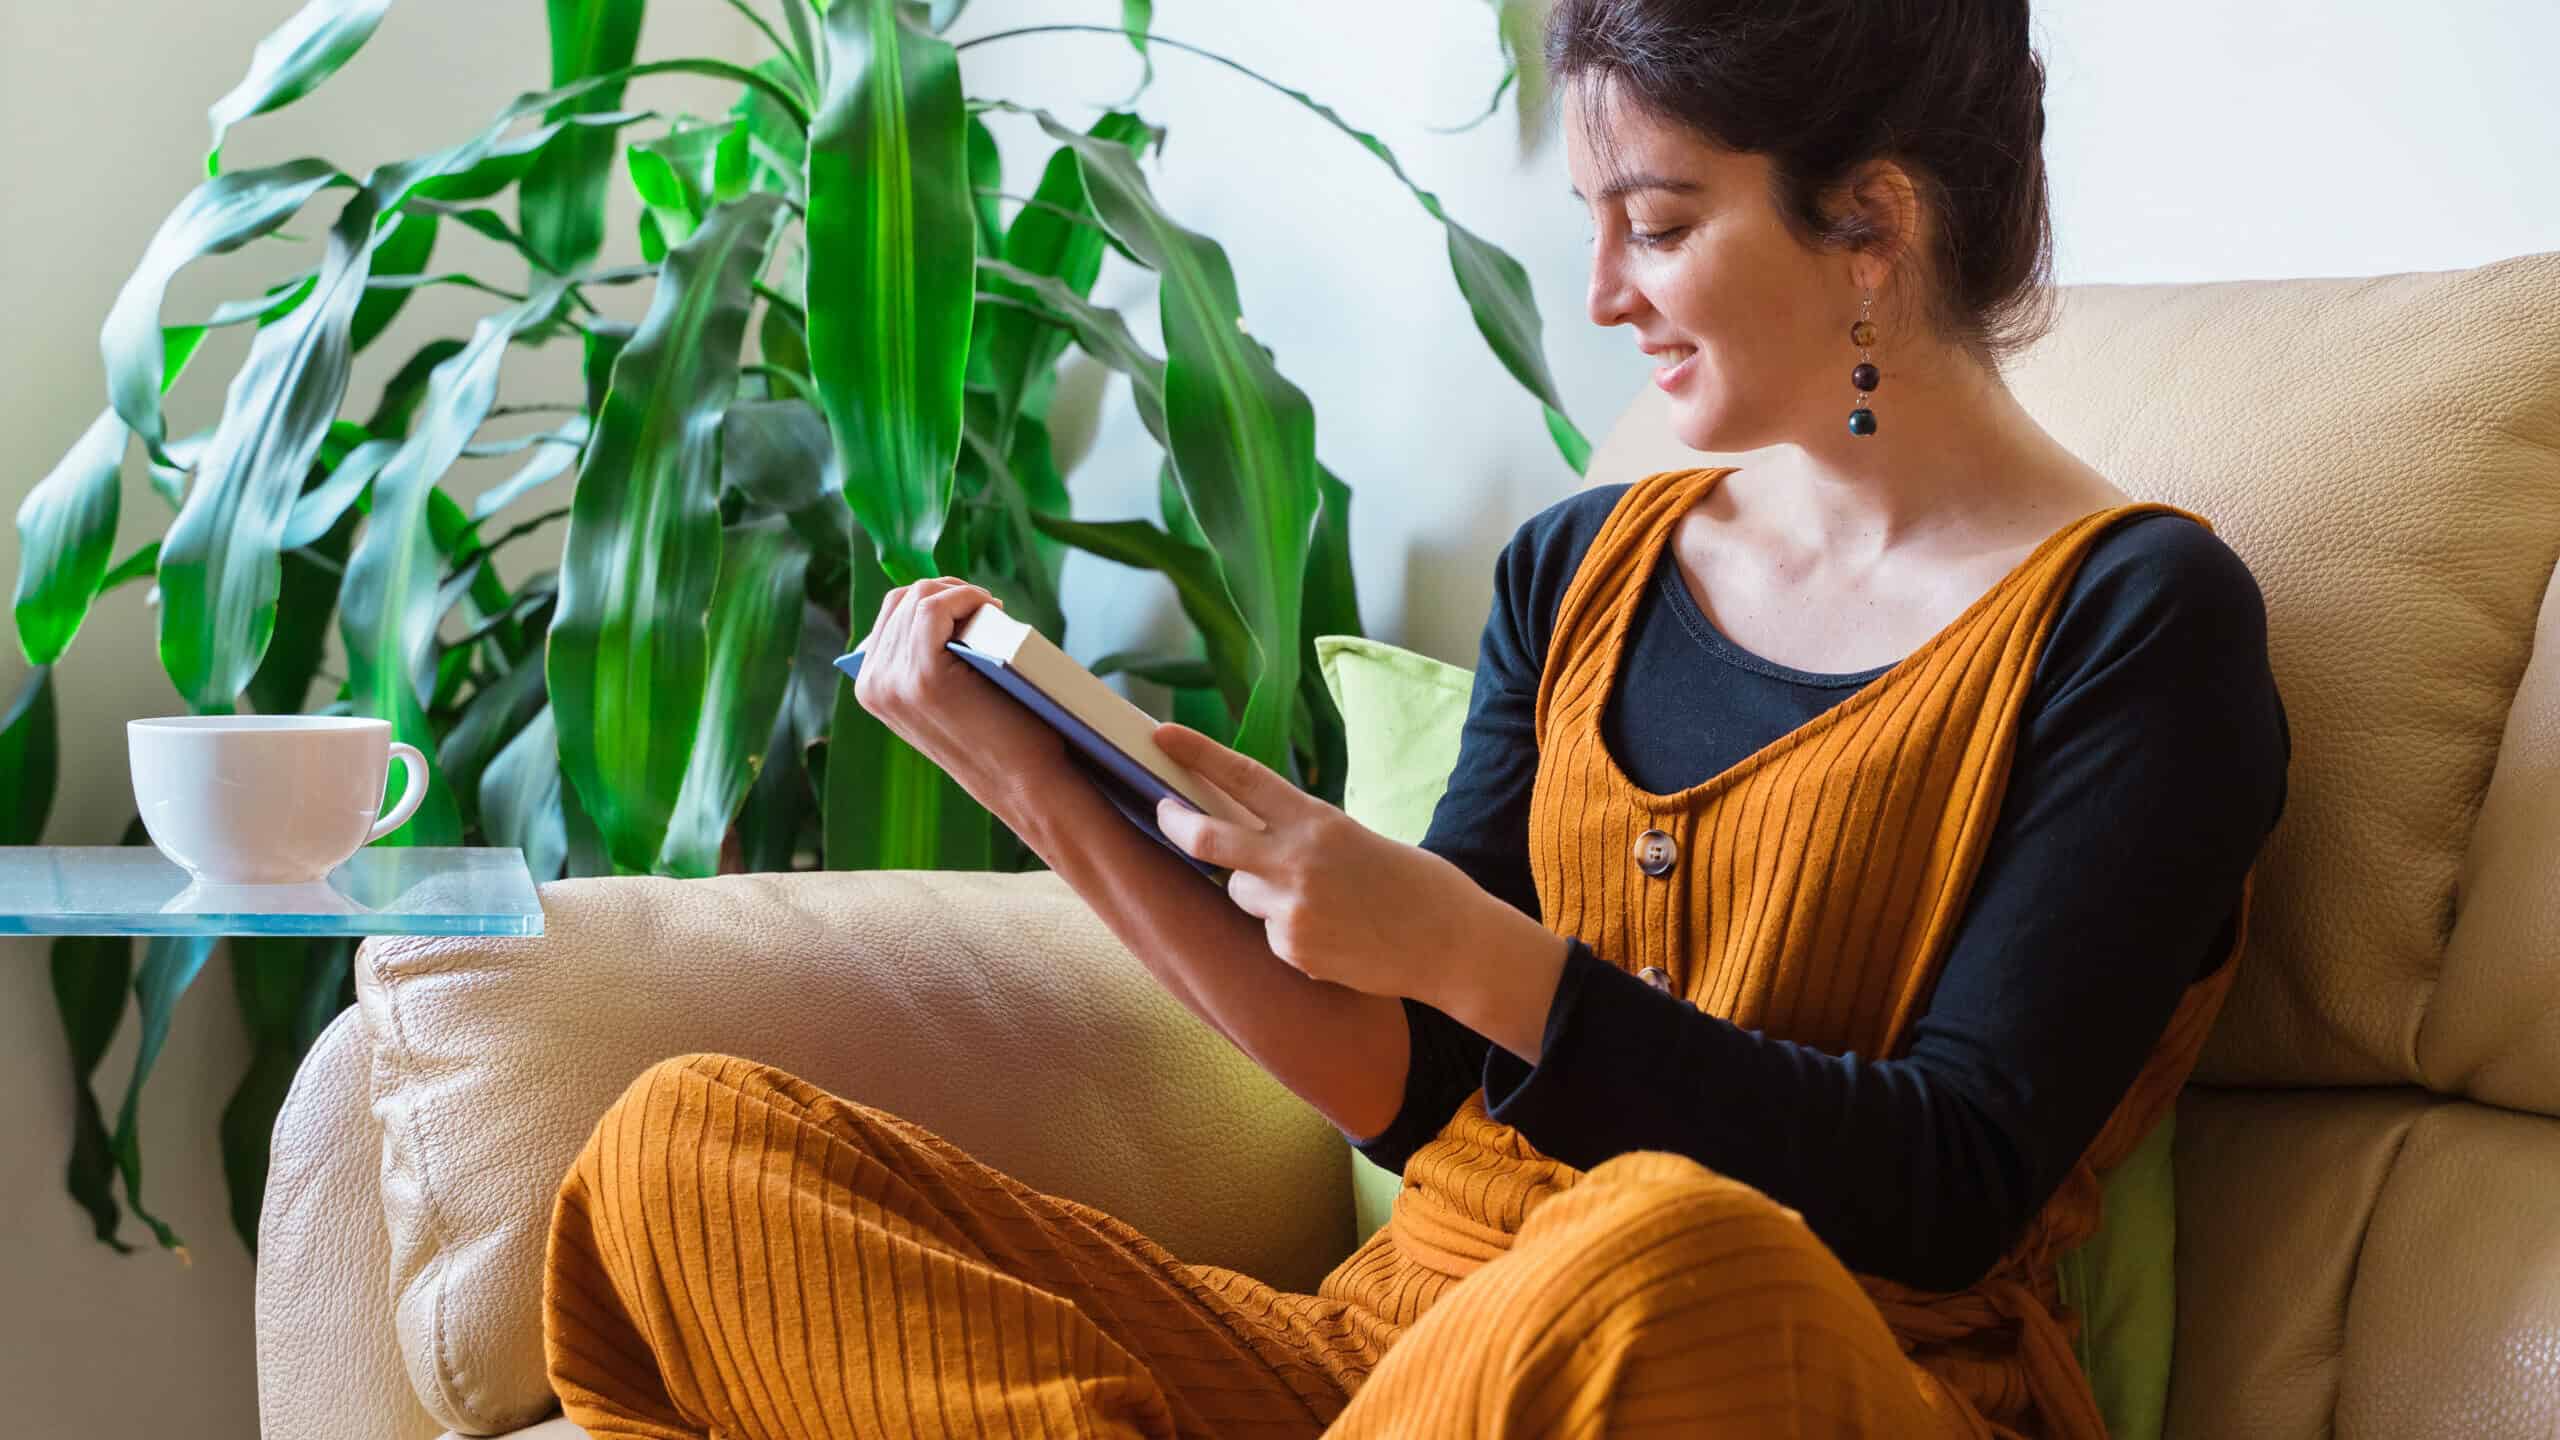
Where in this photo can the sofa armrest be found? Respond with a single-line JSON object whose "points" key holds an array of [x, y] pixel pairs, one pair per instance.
{"points": [[996, 1010], [329, 1365]]}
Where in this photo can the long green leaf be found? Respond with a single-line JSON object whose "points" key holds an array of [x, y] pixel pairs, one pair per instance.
{"points": [[782, 802], [390, 604], [90, 973], [66, 532], [1103, 334], [889, 307], [217, 217], [493, 716], [143, 563], [407, 386], [1035, 469], [507, 163], [778, 455], [318, 508], [277, 980], [785, 56], [68, 521], [1333, 608], [1197, 585], [405, 250], [170, 964], [30, 760], [1137, 18], [1045, 239], [775, 144], [219, 568], [986, 182], [558, 450], [887, 806], [1241, 436], [561, 199], [755, 624], [306, 611], [292, 61], [1495, 285], [629, 642], [682, 175], [522, 801], [1013, 561]]}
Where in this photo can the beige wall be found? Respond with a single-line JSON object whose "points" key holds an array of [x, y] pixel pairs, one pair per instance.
{"points": [[2190, 140]]}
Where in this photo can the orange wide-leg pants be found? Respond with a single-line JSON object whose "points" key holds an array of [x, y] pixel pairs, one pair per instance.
{"points": [[737, 1253]]}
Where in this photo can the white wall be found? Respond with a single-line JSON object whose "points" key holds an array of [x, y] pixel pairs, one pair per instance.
{"points": [[2190, 139]]}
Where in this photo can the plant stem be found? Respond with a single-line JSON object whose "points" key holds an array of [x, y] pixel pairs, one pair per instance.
{"points": [[799, 315], [792, 380], [808, 83], [720, 70], [1041, 313], [1033, 202], [1323, 112], [490, 547]]}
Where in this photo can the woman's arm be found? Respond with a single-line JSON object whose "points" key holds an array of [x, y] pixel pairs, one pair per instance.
{"points": [[1340, 1049], [1336, 1048]]}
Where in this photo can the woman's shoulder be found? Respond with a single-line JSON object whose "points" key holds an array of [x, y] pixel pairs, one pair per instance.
{"points": [[1537, 563], [2157, 568], [2163, 614]]}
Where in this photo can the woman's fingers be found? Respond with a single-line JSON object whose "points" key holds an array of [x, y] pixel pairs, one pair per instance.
{"points": [[1256, 786], [892, 640], [1205, 837]]}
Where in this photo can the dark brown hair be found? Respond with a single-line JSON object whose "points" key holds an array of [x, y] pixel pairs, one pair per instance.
{"points": [[1950, 90]]}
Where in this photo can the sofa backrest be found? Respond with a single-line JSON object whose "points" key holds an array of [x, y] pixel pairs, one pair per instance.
{"points": [[2368, 1170]]}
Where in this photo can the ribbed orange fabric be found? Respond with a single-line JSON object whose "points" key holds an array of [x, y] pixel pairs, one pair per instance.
{"points": [[738, 1253], [1820, 881]]}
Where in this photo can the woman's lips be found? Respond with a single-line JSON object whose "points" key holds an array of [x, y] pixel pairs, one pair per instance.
{"points": [[1669, 376]]}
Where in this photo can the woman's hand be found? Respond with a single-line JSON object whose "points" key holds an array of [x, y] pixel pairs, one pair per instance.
{"points": [[1341, 903], [978, 734]]}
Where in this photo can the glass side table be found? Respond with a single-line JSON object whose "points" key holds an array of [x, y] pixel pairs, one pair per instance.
{"points": [[381, 890]]}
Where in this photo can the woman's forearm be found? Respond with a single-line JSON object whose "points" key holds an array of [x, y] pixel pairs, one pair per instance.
{"points": [[1340, 1050]]}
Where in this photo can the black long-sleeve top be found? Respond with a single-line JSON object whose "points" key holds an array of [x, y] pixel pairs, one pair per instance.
{"points": [[2150, 766]]}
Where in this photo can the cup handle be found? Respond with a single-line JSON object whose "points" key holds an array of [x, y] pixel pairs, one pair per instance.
{"points": [[416, 765]]}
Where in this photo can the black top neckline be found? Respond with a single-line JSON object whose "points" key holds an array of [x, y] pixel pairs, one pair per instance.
{"points": [[1693, 619]]}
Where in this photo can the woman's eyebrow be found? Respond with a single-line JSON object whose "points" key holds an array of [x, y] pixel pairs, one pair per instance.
{"points": [[1629, 184]]}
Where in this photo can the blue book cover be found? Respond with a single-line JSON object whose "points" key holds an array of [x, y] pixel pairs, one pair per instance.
{"points": [[1131, 788]]}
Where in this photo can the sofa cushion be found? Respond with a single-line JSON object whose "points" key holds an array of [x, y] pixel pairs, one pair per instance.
{"points": [[996, 1010], [1401, 714]]}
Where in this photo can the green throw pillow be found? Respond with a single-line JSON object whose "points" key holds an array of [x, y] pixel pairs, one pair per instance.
{"points": [[1401, 714]]}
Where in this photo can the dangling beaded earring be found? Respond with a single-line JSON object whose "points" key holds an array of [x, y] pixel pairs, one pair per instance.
{"points": [[1862, 421]]}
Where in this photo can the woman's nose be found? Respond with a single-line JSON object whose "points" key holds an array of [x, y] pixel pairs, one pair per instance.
{"points": [[1613, 299]]}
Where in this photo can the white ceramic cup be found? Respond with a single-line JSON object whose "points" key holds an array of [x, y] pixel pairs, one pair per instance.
{"points": [[267, 799]]}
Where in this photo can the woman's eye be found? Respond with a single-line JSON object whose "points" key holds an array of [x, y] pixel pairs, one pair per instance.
{"points": [[1655, 239]]}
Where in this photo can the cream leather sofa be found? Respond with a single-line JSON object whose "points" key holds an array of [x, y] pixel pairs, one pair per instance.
{"points": [[2369, 1167]]}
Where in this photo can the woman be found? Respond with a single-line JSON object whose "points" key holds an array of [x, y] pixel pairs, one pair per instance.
{"points": [[1847, 853]]}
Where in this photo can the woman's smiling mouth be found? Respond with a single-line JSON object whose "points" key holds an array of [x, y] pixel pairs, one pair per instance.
{"points": [[1675, 363]]}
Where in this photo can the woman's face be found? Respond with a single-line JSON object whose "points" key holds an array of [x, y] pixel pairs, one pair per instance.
{"points": [[1748, 329]]}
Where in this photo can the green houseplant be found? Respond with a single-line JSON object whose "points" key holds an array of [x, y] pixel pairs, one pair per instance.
{"points": [[842, 383]]}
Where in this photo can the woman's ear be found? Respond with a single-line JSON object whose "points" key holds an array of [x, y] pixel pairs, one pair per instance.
{"points": [[1880, 206]]}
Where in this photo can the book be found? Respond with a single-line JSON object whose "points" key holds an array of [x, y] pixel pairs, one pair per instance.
{"points": [[1112, 740]]}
